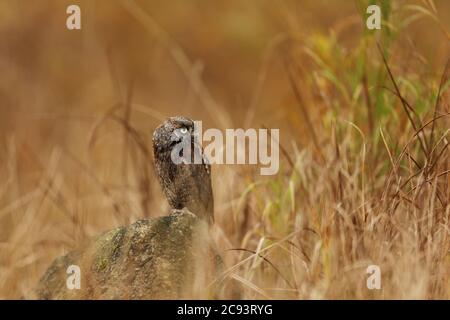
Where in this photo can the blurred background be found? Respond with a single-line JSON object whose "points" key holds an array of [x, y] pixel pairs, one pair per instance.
{"points": [[72, 102]]}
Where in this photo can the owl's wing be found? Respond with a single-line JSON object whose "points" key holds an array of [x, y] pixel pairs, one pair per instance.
{"points": [[210, 207], [203, 173]]}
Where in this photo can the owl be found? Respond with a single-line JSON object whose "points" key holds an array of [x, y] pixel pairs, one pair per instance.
{"points": [[182, 169]]}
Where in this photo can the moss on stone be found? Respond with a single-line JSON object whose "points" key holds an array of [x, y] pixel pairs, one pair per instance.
{"points": [[149, 259]]}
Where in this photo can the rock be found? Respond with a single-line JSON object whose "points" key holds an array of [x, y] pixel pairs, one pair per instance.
{"points": [[162, 258]]}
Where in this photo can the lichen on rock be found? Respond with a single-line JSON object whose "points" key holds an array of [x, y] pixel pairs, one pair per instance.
{"points": [[161, 258]]}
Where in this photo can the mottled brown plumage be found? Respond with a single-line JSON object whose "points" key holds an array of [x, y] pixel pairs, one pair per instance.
{"points": [[186, 184]]}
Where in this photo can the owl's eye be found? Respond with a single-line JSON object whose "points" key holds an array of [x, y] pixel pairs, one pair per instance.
{"points": [[183, 130]]}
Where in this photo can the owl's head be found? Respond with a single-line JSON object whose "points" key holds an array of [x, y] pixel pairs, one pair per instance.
{"points": [[174, 131]]}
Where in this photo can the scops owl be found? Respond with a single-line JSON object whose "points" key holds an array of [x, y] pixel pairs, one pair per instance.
{"points": [[183, 171]]}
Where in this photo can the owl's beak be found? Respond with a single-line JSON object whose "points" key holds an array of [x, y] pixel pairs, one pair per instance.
{"points": [[175, 138]]}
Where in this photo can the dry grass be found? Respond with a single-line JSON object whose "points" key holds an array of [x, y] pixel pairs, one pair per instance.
{"points": [[365, 167]]}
